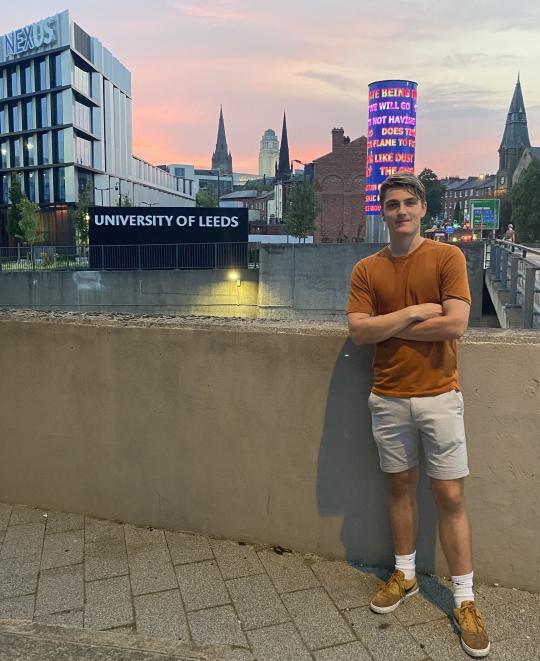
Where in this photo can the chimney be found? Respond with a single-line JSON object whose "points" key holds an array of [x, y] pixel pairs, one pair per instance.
{"points": [[337, 139]]}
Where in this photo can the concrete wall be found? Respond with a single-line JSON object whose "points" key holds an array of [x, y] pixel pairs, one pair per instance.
{"points": [[255, 431], [293, 282]]}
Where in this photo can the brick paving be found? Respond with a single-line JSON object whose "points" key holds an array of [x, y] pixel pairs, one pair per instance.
{"points": [[247, 602]]}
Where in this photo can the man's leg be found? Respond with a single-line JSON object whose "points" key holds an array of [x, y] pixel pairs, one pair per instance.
{"points": [[454, 525], [403, 510]]}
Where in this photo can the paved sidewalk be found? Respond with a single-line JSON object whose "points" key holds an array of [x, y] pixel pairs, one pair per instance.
{"points": [[170, 595]]}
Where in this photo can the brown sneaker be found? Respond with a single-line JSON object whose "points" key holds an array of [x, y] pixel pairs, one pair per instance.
{"points": [[474, 638], [396, 590]]}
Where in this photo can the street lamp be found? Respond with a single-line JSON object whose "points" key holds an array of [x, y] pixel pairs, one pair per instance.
{"points": [[150, 204], [115, 187]]}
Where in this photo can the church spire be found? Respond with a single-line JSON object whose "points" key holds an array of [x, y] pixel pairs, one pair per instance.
{"points": [[222, 158], [283, 170]]}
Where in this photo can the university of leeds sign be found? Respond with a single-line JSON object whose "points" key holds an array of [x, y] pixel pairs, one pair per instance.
{"points": [[31, 37]]}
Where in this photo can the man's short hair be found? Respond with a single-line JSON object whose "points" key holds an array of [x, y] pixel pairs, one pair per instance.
{"points": [[406, 180]]}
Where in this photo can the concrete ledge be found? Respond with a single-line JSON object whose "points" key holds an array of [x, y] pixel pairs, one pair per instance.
{"points": [[257, 431]]}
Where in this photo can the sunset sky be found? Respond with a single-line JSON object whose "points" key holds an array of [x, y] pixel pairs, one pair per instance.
{"points": [[314, 59]]}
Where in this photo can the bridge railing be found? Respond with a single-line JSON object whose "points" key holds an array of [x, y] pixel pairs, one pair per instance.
{"points": [[516, 268]]}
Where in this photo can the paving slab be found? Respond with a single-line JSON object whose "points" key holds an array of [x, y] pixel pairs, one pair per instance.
{"points": [[236, 560], [17, 608], [106, 557], [216, 626], [149, 560], [161, 614], [348, 652], [66, 619], [63, 522], [518, 649], [19, 576], [419, 609], [318, 620], [257, 602], [62, 549], [201, 585], [23, 540], [60, 589], [186, 547], [348, 587], [278, 643], [384, 637], [108, 603], [288, 571], [5, 513], [520, 608], [440, 641], [21, 514], [96, 529]]}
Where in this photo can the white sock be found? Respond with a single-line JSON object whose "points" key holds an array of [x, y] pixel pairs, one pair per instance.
{"points": [[407, 564], [463, 588]]}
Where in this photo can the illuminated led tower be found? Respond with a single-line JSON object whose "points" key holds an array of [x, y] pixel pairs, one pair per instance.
{"points": [[391, 144]]}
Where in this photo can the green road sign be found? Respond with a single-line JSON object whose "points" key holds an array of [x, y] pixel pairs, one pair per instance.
{"points": [[485, 214]]}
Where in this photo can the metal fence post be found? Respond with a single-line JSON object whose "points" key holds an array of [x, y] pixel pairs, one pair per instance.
{"points": [[503, 274], [493, 259], [139, 256], [528, 296], [514, 263], [102, 258]]}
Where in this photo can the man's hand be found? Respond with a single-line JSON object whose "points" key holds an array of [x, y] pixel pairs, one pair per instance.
{"points": [[426, 311]]}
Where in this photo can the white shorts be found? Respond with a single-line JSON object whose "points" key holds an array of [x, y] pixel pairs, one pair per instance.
{"points": [[399, 423]]}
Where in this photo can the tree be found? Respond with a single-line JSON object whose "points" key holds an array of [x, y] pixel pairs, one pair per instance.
{"points": [[125, 201], [457, 216], [207, 197], [525, 199], [14, 213], [302, 209], [28, 224], [81, 217], [434, 192]]}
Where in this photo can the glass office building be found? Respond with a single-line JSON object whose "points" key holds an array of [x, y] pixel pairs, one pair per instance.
{"points": [[65, 120]]}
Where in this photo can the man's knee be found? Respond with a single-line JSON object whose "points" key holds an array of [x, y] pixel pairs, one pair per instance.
{"points": [[449, 495], [403, 482]]}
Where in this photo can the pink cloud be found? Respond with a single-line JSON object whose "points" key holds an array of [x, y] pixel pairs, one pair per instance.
{"points": [[223, 11]]}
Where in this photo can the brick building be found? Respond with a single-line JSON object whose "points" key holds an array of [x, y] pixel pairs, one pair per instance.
{"points": [[464, 190], [340, 181]]}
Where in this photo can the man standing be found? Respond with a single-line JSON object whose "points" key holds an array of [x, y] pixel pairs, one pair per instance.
{"points": [[412, 301]]}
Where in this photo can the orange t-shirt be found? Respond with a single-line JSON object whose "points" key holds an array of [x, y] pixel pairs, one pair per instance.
{"points": [[382, 283]]}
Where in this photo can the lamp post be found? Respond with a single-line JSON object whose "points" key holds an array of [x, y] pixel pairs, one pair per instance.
{"points": [[115, 187], [150, 204]]}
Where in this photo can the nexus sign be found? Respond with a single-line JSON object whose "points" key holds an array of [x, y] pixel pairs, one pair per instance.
{"points": [[31, 37]]}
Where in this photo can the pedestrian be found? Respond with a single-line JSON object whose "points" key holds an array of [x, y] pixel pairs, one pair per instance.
{"points": [[412, 301], [510, 234]]}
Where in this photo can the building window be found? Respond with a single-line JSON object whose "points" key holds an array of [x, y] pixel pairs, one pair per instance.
{"points": [[81, 80], [28, 116], [58, 146], [29, 155], [59, 183], [57, 109], [83, 151], [55, 70], [43, 149], [44, 187], [3, 123], [4, 189], [12, 82], [26, 78], [14, 118], [30, 185], [3, 155], [82, 116], [41, 112], [2, 88], [41, 74], [15, 153]]}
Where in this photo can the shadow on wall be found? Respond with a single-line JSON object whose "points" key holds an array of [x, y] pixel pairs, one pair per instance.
{"points": [[349, 480]]}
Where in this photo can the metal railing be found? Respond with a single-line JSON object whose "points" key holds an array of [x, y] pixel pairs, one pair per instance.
{"points": [[179, 256], [516, 269]]}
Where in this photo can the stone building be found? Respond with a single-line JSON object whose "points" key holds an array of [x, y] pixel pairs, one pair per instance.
{"points": [[268, 154], [340, 181]]}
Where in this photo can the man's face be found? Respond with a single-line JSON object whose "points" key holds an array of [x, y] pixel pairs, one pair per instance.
{"points": [[402, 212]]}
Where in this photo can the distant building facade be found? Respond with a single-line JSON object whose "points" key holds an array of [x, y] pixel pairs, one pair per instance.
{"points": [[340, 178], [462, 191], [268, 154], [65, 123], [529, 155]]}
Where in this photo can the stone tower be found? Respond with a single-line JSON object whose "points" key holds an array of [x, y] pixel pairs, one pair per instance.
{"points": [[268, 154], [515, 140], [221, 158]]}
